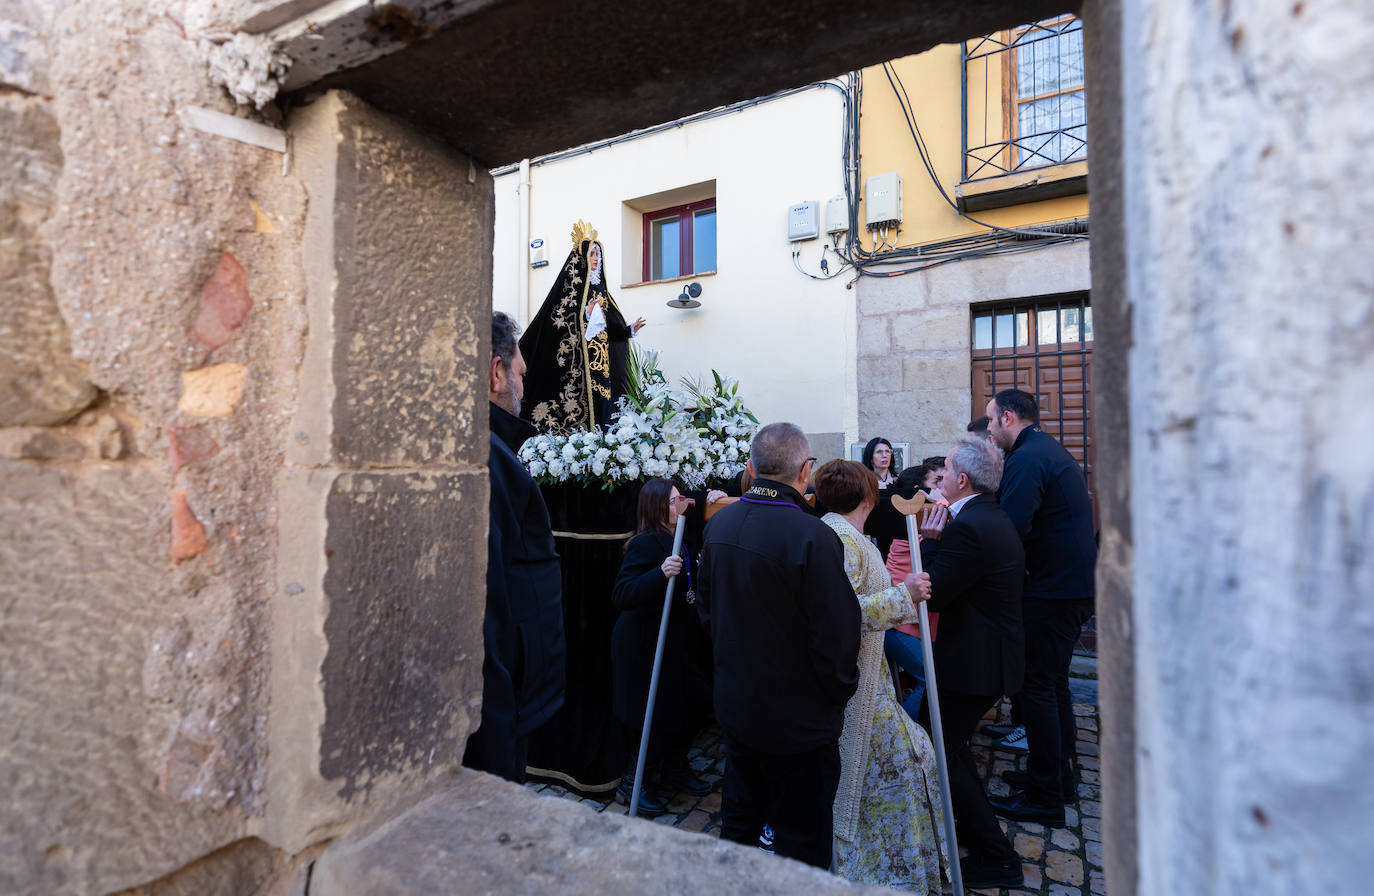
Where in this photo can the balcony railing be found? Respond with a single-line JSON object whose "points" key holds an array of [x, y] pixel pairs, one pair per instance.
{"points": [[1023, 103]]}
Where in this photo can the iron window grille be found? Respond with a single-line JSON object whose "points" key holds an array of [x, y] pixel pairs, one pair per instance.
{"points": [[1042, 119]]}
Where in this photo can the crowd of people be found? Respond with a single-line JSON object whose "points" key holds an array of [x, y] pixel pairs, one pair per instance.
{"points": [[789, 615]]}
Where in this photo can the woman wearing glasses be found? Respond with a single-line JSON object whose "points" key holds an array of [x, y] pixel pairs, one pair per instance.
{"points": [[684, 686]]}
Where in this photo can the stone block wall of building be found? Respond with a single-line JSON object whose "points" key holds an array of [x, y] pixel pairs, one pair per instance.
{"points": [[914, 339], [243, 483]]}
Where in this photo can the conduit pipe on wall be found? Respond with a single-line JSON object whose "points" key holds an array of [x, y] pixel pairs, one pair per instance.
{"points": [[522, 254]]}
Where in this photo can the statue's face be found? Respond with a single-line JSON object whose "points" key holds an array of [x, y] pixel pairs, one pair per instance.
{"points": [[594, 258]]}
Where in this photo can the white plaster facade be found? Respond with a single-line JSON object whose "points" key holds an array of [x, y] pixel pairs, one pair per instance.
{"points": [[788, 339]]}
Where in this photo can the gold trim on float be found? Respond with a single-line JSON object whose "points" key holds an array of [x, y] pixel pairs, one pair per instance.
{"points": [[592, 536], [569, 779]]}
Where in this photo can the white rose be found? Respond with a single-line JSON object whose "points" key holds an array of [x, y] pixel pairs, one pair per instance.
{"points": [[632, 471], [557, 468], [537, 468], [625, 453], [598, 468]]}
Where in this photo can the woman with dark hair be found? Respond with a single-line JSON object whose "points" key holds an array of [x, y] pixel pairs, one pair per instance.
{"points": [[878, 457], [684, 689], [886, 806]]}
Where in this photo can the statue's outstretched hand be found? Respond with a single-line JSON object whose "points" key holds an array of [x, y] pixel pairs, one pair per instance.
{"points": [[637, 325]]}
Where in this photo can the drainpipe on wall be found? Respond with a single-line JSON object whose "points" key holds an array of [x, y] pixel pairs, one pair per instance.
{"points": [[522, 255]]}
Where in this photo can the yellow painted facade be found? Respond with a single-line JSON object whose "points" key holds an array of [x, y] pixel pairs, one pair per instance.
{"points": [[932, 87]]}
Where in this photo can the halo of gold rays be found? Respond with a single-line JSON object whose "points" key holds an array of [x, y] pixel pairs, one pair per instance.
{"points": [[582, 231]]}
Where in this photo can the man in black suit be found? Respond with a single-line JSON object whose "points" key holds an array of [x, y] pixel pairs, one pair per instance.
{"points": [[1046, 496], [977, 568]]}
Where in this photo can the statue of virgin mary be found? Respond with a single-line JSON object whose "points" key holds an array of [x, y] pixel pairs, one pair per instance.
{"points": [[576, 347]]}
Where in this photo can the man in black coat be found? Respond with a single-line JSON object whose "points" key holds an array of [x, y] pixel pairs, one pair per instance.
{"points": [[785, 627], [523, 670], [977, 567], [1046, 495]]}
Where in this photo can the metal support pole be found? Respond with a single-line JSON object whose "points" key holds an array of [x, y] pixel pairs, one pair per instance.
{"points": [[932, 696], [653, 679]]}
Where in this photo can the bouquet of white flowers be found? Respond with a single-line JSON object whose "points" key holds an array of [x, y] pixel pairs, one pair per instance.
{"points": [[695, 435]]}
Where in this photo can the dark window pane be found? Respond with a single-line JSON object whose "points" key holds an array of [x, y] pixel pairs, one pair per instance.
{"points": [[665, 248], [704, 241]]}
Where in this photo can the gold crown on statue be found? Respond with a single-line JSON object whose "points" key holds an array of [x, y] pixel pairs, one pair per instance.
{"points": [[582, 231]]}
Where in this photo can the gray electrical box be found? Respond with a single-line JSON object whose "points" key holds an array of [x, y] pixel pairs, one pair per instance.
{"points": [[836, 215], [883, 199], [804, 221]]}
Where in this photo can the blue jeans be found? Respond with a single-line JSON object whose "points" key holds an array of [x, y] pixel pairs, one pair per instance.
{"points": [[904, 652]]}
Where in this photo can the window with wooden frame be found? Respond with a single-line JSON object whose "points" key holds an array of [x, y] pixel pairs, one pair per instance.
{"points": [[1045, 104], [680, 241]]}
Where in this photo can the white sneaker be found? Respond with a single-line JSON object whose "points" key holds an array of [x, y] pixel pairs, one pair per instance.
{"points": [[1015, 741]]}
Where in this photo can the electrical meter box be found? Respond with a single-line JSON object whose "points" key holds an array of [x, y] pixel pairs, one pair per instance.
{"points": [[803, 221], [883, 199], [836, 215]]}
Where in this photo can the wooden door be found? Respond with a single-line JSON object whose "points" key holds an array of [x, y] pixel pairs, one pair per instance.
{"points": [[1042, 346]]}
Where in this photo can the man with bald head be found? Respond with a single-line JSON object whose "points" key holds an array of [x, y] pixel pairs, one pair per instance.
{"points": [[785, 626]]}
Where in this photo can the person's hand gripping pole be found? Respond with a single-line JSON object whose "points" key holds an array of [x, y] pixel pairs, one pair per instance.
{"points": [[658, 663], [911, 509]]}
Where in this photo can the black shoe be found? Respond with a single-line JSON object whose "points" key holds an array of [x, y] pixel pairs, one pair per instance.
{"points": [[683, 781], [649, 807], [983, 874], [1018, 780], [1018, 807]]}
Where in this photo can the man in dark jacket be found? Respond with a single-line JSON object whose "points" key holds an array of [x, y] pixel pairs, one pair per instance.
{"points": [[523, 670], [977, 568], [785, 627], [1046, 496]]}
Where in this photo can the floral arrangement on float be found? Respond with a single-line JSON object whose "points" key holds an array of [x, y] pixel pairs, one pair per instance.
{"points": [[695, 433]]}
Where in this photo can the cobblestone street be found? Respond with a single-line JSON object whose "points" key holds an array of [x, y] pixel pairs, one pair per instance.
{"points": [[1056, 862]]}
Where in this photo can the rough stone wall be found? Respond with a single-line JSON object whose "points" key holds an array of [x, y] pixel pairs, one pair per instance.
{"points": [[914, 339], [1246, 130], [140, 523], [376, 634]]}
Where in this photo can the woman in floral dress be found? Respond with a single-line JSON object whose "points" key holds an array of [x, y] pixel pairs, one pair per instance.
{"points": [[887, 830]]}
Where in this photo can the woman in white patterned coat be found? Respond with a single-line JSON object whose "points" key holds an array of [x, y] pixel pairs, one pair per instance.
{"points": [[887, 830]]}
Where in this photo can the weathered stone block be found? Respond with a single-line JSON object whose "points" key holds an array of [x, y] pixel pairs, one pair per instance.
{"points": [[377, 641], [485, 835], [188, 535], [84, 589], [224, 303], [212, 391], [941, 330], [925, 374], [874, 336], [40, 383], [400, 232]]}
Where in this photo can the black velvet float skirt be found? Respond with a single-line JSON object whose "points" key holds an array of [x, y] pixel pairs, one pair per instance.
{"points": [[583, 746]]}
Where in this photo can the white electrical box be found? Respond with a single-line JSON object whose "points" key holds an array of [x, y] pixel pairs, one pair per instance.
{"points": [[538, 256], [883, 199], [804, 221], [836, 215]]}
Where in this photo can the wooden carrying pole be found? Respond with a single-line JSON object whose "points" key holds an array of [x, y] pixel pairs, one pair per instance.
{"points": [[658, 664], [911, 508]]}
